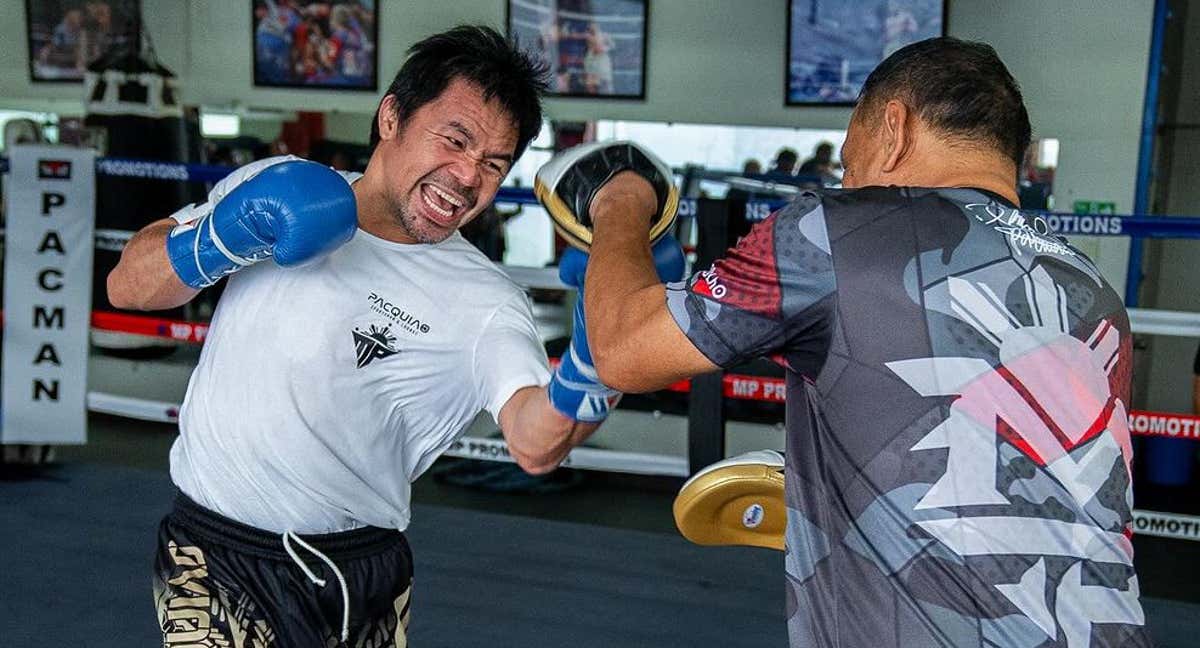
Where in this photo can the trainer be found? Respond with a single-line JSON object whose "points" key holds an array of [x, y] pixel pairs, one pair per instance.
{"points": [[359, 337], [957, 465]]}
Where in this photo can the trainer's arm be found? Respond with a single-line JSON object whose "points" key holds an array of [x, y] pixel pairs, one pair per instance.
{"points": [[636, 344], [539, 437], [144, 278]]}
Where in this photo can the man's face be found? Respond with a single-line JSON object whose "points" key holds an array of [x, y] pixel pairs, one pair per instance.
{"points": [[444, 163]]}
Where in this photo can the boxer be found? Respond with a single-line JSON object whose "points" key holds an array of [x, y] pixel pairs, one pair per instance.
{"points": [[357, 337]]}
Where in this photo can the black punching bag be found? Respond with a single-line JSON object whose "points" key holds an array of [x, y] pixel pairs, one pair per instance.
{"points": [[135, 99]]}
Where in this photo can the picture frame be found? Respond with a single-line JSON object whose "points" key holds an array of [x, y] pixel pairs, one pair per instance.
{"points": [[833, 45], [65, 36], [594, 48], [315, 44]]}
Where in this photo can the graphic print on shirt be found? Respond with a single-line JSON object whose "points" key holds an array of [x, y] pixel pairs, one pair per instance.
{"points": [[1023, 231], [958, 378], [373, 344], [1075, 431], [398, 314], [374, 340]]}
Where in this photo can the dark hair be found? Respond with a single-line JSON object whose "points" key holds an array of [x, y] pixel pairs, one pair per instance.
{"points": [[960, 88], [481, 56]]}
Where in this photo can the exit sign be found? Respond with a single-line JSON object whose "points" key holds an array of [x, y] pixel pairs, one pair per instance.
{"points": [[1094, 207]]}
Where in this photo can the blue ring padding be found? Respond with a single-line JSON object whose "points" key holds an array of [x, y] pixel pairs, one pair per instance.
{"points": [[1160, 227]]}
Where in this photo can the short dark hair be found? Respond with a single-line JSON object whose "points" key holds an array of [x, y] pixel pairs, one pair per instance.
{"points": [[960, 88], [481, 56]]}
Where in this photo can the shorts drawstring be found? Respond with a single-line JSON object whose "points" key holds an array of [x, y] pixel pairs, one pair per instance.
{"points": [[288, 536]]}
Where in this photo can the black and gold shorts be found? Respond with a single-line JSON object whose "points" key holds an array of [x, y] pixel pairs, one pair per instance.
{"points": [[224, 584]]}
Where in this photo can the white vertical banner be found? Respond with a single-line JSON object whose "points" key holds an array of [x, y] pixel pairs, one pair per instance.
{"points": [[50, 202]]}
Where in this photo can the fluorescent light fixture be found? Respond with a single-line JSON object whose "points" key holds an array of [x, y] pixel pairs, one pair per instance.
{"points": [[220, 124]]}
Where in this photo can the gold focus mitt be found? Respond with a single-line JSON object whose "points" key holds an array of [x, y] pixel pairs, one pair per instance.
{"points": [[738, 501]]}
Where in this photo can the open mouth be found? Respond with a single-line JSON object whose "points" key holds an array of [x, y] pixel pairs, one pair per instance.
{"points": [[443, 207]]}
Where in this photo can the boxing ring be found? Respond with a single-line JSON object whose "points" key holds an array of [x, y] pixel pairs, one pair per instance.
{"points": [[706, 426]]}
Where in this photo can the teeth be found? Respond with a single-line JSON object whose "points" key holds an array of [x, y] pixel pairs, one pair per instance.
{"points": [[445, 213], [447, 197]]}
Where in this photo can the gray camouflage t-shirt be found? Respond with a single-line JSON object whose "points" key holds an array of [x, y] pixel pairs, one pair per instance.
{"points": [[957, 441]]}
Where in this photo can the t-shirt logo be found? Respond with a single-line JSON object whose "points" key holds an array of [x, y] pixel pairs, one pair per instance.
{"points": [[374, 344], [1032, 231]]}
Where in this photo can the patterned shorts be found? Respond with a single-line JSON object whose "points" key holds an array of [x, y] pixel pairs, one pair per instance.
{"points": [[219, 583]]}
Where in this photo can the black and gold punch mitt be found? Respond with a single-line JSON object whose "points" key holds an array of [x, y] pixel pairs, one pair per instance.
{"points": [[567, 183]]}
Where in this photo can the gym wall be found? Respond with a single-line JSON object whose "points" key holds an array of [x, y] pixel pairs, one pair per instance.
{"points": [[1082, 64]]}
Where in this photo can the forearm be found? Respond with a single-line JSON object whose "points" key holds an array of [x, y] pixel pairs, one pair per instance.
{"points": [[622, 290], [144, 278], [620, 265], [539, 437]]}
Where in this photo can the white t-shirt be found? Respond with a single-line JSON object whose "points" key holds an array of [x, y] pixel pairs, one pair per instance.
{"points": [[323, 391]]}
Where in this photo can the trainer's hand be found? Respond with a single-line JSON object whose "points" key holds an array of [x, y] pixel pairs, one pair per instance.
{"points": [[294, 211], [627, 194], [568, 184]]}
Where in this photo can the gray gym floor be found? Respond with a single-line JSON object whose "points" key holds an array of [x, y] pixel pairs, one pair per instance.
{"points": [[596, 564]]}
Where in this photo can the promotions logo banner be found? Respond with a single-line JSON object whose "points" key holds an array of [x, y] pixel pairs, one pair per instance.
{"points": [[50, 207]]}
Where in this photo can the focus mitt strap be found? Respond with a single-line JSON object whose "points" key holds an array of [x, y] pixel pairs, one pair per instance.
{"points": [[738, 501], [567, 184]]}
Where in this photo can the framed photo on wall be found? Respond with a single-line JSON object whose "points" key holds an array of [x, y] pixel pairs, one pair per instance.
{"points": [[594, 48], [833, 45], [323, 44], [65, 36]]}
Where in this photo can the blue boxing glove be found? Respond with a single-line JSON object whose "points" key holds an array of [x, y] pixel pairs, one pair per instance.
{"points": [[575, 389], [294, 211], [669, 261]]}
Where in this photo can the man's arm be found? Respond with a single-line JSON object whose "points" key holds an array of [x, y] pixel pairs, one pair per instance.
{"points": [[540, 423], [646, 335], [282, 208], [635, 341], [144, 278], [542, 415], [539, 437]]}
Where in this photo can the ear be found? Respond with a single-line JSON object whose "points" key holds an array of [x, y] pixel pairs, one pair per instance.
{"points": [[389, 120], [897, 134]]}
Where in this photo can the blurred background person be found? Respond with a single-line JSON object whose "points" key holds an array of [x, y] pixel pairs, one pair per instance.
{"points": [[63, 49], [822, 165], [347, 45], [597, 63], [785, 162]]}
